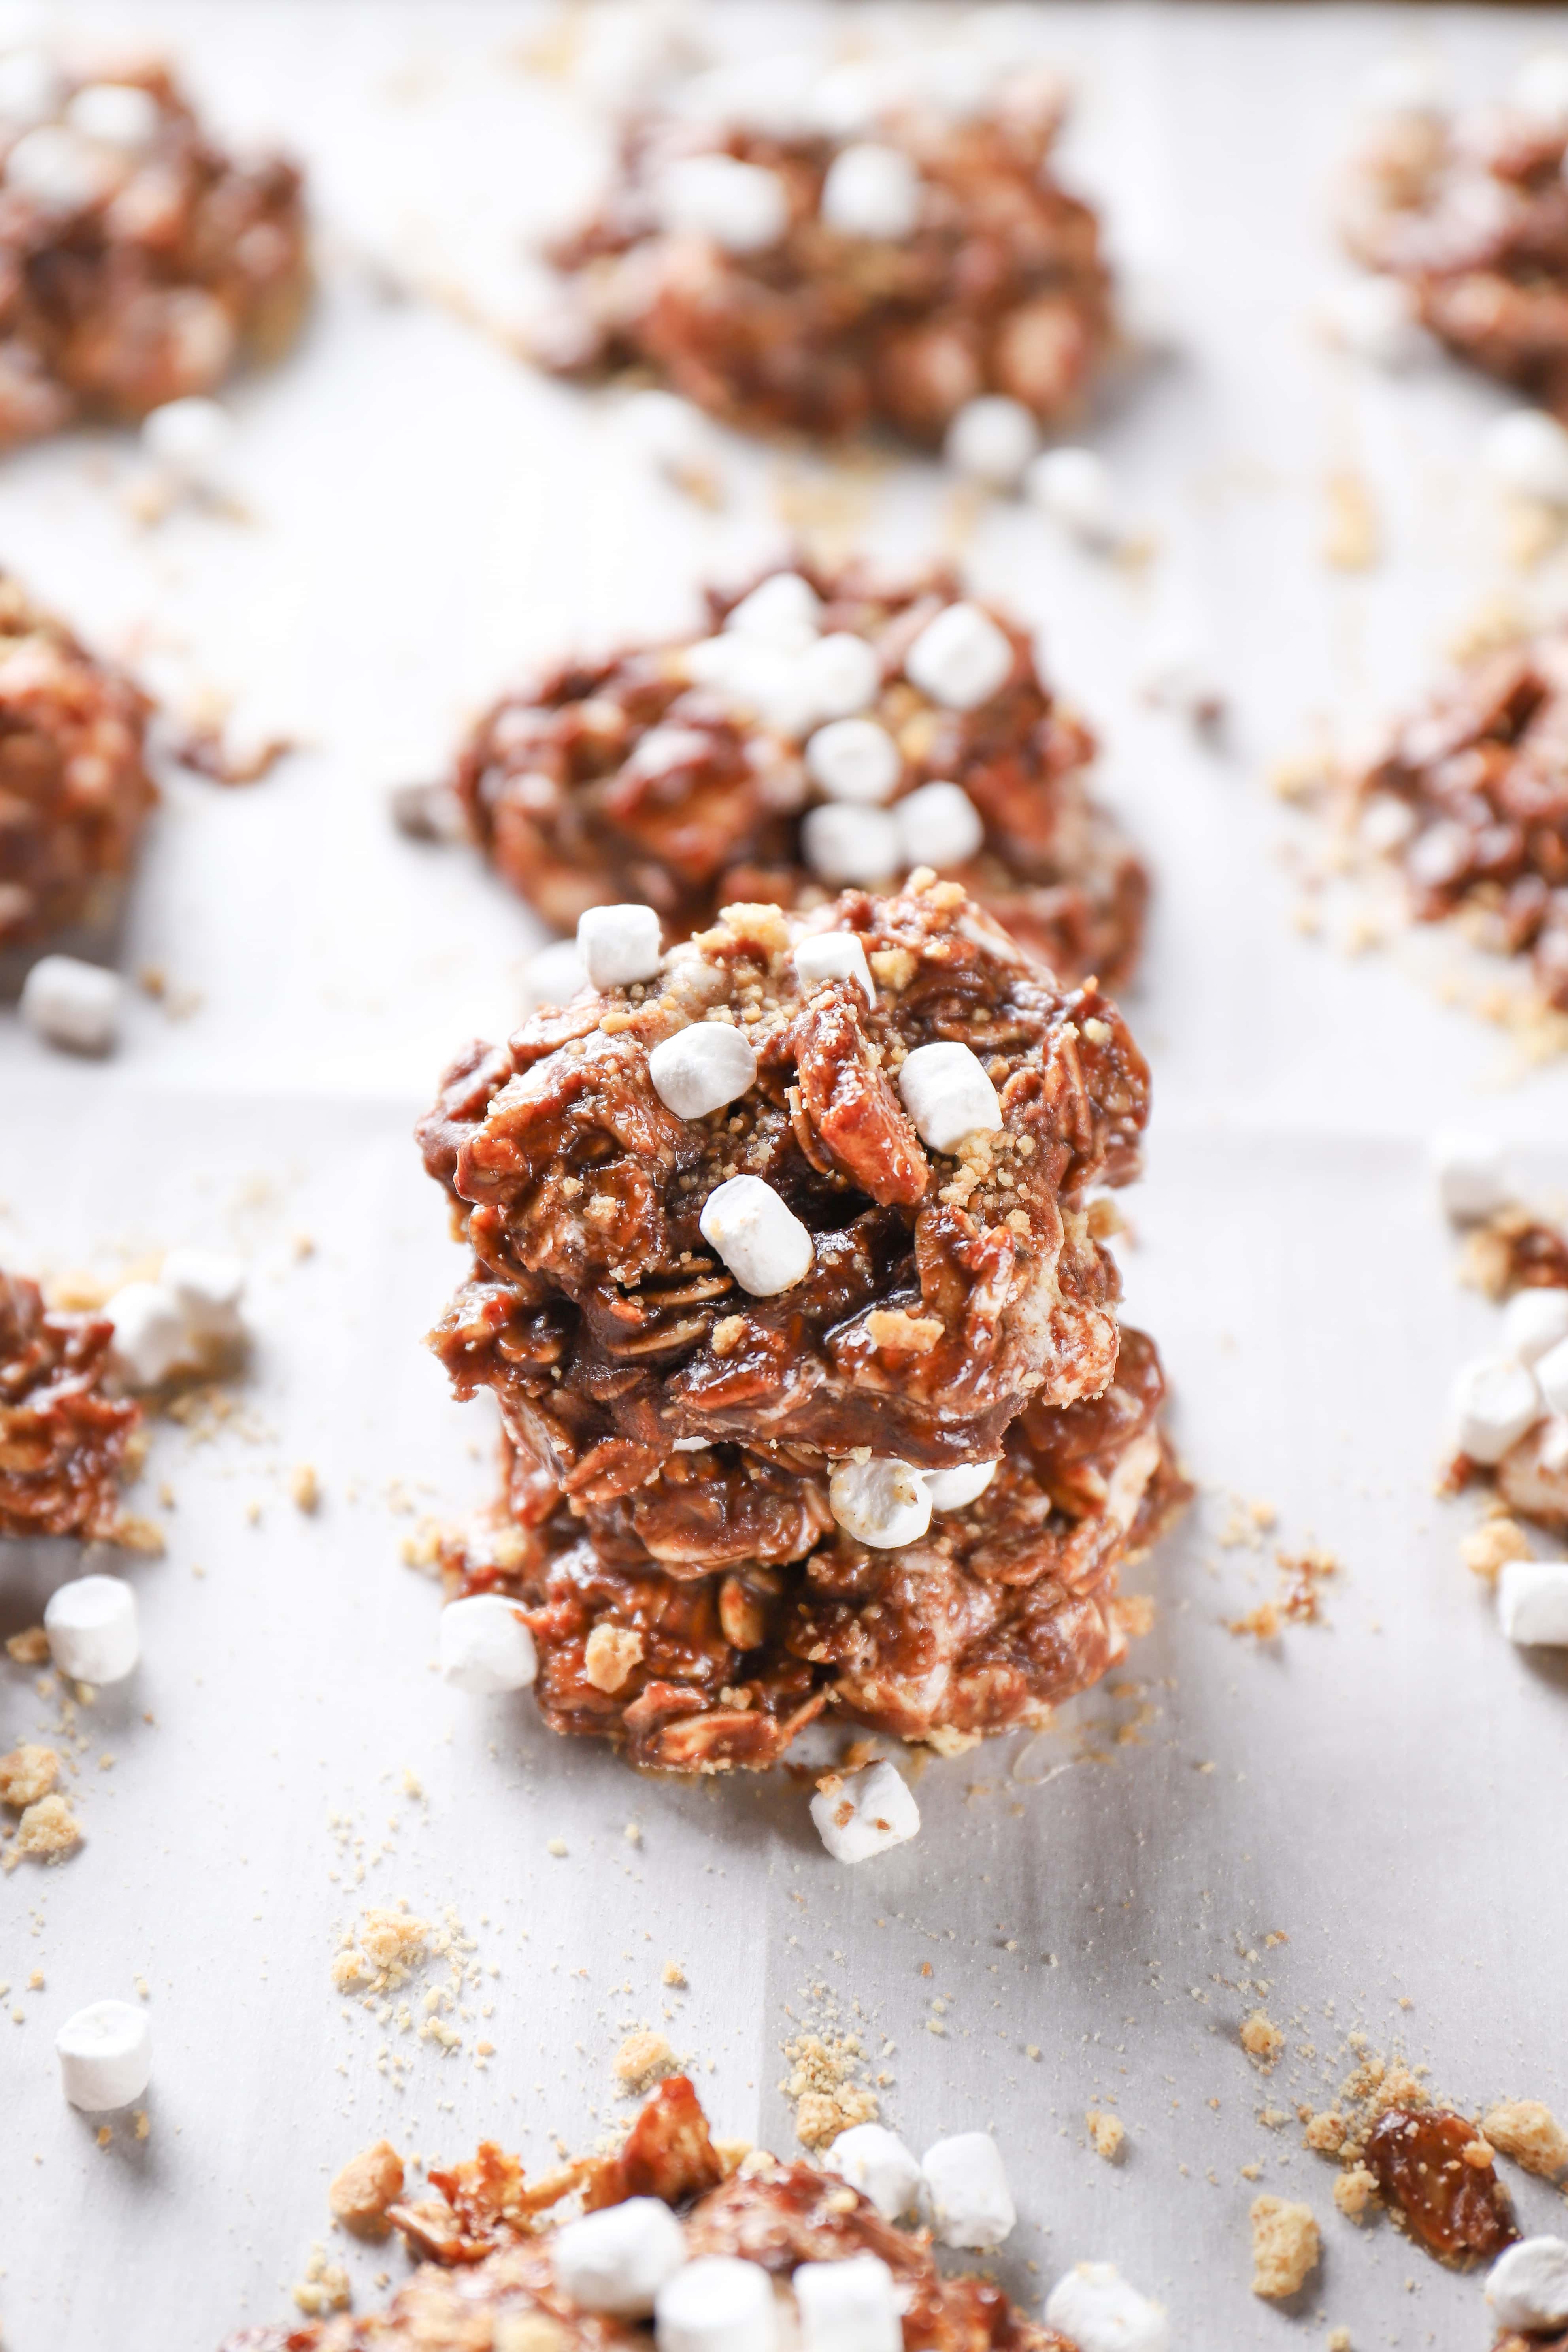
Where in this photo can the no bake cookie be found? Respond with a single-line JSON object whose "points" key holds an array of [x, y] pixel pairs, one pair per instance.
{"points": [[62, 1440]]}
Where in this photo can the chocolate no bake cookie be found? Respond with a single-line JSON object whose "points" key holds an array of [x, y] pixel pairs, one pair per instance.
{"points": [[139, 262], [789, 262], [828, 728], [62, 1440]]}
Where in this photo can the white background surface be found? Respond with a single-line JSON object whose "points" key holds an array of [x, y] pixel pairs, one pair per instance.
{"points": [[1387, 1790]]}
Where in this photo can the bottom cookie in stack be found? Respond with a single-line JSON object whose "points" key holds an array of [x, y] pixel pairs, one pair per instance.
{"points": [[1006, 1603]]}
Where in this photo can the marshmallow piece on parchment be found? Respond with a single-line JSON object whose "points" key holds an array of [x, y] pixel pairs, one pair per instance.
{"points": [[1095, 2305], [106, 2055], [93, 1628], [875, 2161], [485, 1647], [616, 2260], [964, 2194], [865, 1813]]}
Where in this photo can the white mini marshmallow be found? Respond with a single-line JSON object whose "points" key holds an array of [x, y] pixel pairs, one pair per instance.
{"points": [[951, 1490], [961, 659], [1525, 452], [867, 1814], [834, 955], [783, 611], [616, 2260], [872, 191], [115, 114], [32, 88], [207, 1287], [670, 434], [701, 1068], [485, 1647], [1495, 1400], [1552, 1372], [841, 675], [938, 826], [875, 2161], [1469, 1172], [189, 438], [1376, 319], [1074, 488], [883, 1502], [948, 1093], [1540, 88], [1535, 1322], [991, 440], [854, 759], [151, 1335], [743, 208], [845, 846], [618, 944], [554, 976], [847, 2306], [1095, 2305], [717, 2304], [106, 2055], [1532, 1603], [57, 167], [762, 1241], [74, 1004], [1528, 2286], [964, 2193], [92, 1631], [755, 678]]}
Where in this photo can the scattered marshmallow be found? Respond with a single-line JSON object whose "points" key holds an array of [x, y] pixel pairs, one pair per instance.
{"points": [[1471, 1182], [1405, 83], [1525, 452], [1535, 1322], [701, 1068], [106, 2055], [840, 674], [618, 944], [938, 826], [847, 2306], [717, 2304], [1532, 1603], [834, 955], [1095, 2305], [951, 1490], [73, 1004], [1073, 487], [188, 439], [992, 440], [743, 208], [784, 610], [964, 2192], [1528, 2286], [32, 88], [207, 1287], [961, 659], [762, 1241], [843, 844], [1495, 1400], [871, 191], [485, 1647], [1377, 319], [115, 114], [616, 2260], [92, 1629], [867, 1813], [948, 1093], [1552, 1372], [883, 1502], [1540, 88], [150, 1337], [554, 976], [57, 167], [673, 437], [854, 759], [1178, 675], [875, 2161]]}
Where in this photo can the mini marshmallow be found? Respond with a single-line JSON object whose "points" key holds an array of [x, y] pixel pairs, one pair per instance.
{"points": [[1552, 1372], [769, 682], [743, 208], [964, 2193], [834, 955], [844, 845], [1535, 1322], [938, 826], [188, 438], [948, 1093], [854, 759], [106, 2055], [1525, 452], [762, 1242], [74, 1004], [1376, 319], [875, 2161], [618, 944], [617, 2258], [91, 1626], [1532, 1603], [1540, 88], [871, 191], [485, 1647], [950, 1490], [115, 114], [31, 88], [150, 1336], [701, 1068], [207, 1287], [1468, 1169], [961, 659], [866, 1814], [1073, 487], [783, 611], [883, 1502], [840, 674], [1495, 1400], [1095, 2305], [847, 2306], [554, 976], [57, 167], [991, 440], [717, 2304], [672, 433], [1528, 2286]]}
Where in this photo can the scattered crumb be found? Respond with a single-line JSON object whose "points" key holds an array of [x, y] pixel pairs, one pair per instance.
{"points": [[610, 1654], [1107, 2135], [1354, 2190], [824, 2086], [105, 2133], [1284, 2246], [27, 1774], [1339, 2340], [368, 2183], [1261, 2040], [391, 1946], [1488, 1548], [30, 1648], [324, 2287], [1530, 2134], [48, 1831], [642, 2060], [304, 1486], [1350, 540], [673, 1973], [142, 2122]]}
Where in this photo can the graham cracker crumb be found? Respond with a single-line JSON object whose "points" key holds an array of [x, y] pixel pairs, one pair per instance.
{"points": [[30, 1648], [642, 2060], [947, 1742], [1354, 2190], [27, 1774], [1488, 1548], [1134, 1613], [1530, 2134], [673, 1973], [47, 1832], [1339, 2340], [391, 1946], [610, 1654], [324, 2287], [824, 2086], [1261, 2040], [368, 2183], [915, 1335], [1285, 2246], [728, 1333], [304, 1486], [528, 2331], [142, 2122], [1107, 2135]]}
